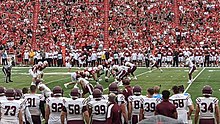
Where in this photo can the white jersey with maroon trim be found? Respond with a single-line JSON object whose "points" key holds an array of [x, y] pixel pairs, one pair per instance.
{"points": [[90, 98], [207, 107], [136, 103], [33, 103], [9, 111], [25, 111], [99, 109], [149, 106], [74, 108], [3, 98], [129, 64], [189, 62], [56, 105], [121, 99], [182, 102]]}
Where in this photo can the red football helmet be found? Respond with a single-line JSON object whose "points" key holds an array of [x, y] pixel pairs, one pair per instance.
{"points": [[99, 86], [10, 93], [2, 91], [97, 93], [18, 94], [75, 93], [207, 90], [126, 81], [57, 91], [137, 90], [113, 87]]}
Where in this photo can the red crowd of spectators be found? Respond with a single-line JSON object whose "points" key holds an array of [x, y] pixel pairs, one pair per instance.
{"points": [[132, 24]]}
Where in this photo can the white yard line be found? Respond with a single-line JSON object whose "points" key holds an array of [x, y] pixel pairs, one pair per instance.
{"points": [[53, 73], [194, 79]]}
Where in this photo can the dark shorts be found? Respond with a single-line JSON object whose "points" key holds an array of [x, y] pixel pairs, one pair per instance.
{"points": [[88, 89], [36, 119], [122, 74], [98, 122], [75, 122], [135, 119], [155, 65], [133, 69], [207, 121]]}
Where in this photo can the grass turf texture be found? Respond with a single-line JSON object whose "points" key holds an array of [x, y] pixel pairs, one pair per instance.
{"points": [[146, 79]]}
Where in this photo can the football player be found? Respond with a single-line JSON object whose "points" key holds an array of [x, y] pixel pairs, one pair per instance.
{"points": [[154, 63], [191, 66], [74, 110], [132, 69], [90, 97], [7, 72], [45, 90], [75, 76], [34, 71], [134, 105], [35, 104], [207, 108], [119, 72], [40, 72], [2, 94], [113, 88], [183, 103], [54, 106], [86, 86], [11, 109], [25, 110], [128, 89], [98, 108], [148, 105]]}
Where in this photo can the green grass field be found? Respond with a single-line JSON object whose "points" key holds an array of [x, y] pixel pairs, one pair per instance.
{"points": [[146, 79]]}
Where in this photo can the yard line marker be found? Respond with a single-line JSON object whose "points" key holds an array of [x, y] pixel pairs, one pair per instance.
{"points": [[194, 79]]}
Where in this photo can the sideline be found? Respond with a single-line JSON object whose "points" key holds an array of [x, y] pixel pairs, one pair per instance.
{"points": [[194, 79]]}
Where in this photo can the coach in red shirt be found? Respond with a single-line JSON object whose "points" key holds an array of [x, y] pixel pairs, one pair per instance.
{"points": [[165, 107], [114, 111]]}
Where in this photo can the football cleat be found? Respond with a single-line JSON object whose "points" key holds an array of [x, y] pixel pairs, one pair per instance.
{"points": [[135, 78], [190, 81], [66, 85]]}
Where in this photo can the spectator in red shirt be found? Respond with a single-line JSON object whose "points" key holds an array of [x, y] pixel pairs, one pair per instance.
{"points": [[165, 107]]}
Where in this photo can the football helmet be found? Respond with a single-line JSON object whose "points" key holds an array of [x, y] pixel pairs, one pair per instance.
{"points": [[97, 93], [115, 67], [113, 87], [2, 91], [57, 91], [18, 94], [126, 81], [45, 63], [126, 63], [207, 90], [10, 93], [99, 86], [137, 90], [75, 93], [40, 63]]}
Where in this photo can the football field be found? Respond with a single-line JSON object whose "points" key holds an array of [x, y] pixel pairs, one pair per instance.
{"points": [[146, 78]]}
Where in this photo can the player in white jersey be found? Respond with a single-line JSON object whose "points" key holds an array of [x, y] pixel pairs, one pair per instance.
{"points": [[98, 108], [207, 108], [113, 88], [191, 66], [35, 103], [33, 71], [45, 90], [134, 105], [148, 105], [183, 103], [85, 86], [2, 93], [131, 70], [154, 63], [25, 110], [74, 110], [120, 72], [11, 109], [54, 106], [90, 97]]}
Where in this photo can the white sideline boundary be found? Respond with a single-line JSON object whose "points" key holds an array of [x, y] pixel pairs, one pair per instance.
{"points": [[194, 79]]}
